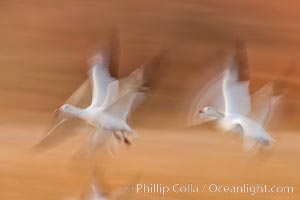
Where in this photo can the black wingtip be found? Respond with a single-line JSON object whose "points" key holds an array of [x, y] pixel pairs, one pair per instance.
{"points": [[239, 60], [239, 43], [112, 49], [150, 67], [109, 48]]}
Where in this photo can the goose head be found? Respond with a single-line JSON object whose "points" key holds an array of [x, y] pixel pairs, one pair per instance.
{"points": [[211, 112], [66, 110]]}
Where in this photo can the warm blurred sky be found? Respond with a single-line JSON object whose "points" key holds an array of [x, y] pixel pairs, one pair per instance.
{"points": [[45, 45]]}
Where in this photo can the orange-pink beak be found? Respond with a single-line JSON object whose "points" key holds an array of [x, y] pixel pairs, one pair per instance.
{"points": [[56, 112]]}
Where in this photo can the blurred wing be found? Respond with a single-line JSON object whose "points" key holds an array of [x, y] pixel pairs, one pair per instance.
{"points": [[236, 83], [280, 82], [122, 93], [139, 77], [113, 46], [101, 78], [266, 101], [61, 132], [275, 102], [94, 193], [122, 107], [62, 129], [143, 74], [102, 63], [209, 95], [264, 104], [113, 93], [138, 100], [98, 139], [81, 97], [113, 146]]}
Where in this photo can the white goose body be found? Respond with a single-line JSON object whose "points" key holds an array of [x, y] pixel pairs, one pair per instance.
{"points": [[112, 101], [244, 113], [251, 129], [97, 118], [110, 104]]}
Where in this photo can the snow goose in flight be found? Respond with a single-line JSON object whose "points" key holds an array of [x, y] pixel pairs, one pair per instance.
{"points": [[112, 101], [245, 114]]}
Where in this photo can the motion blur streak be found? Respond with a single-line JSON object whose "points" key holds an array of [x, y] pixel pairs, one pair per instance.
{"points": [[44, 47]]}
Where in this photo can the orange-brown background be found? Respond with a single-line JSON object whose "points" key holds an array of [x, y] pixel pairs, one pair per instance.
{"points": [[44, 46]]}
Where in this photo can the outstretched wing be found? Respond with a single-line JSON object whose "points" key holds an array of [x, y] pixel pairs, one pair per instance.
{"points": [[64, 130], [104, 63], [122, 107], [122, 93], [100, 73], [236, 83], [81, 97], [263, 104], [209, 95], [98, 139], [135, 80], [269, 97], [94, 194], [142, 75], [100, 80]]}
